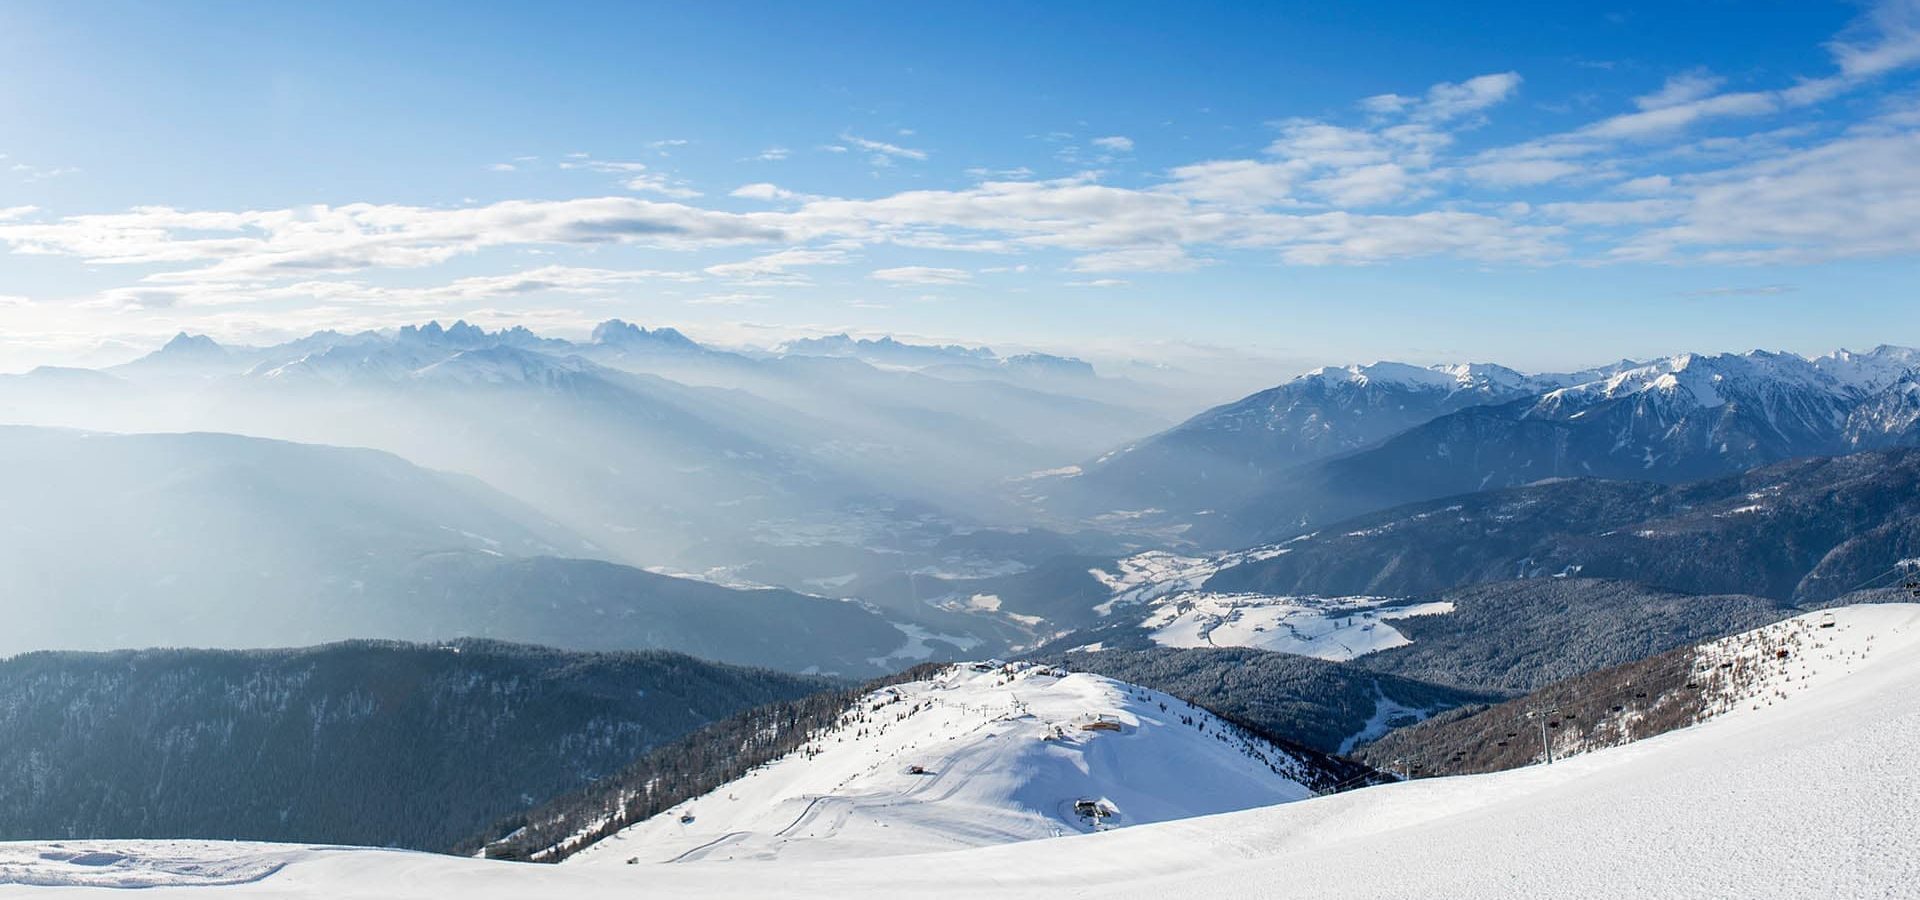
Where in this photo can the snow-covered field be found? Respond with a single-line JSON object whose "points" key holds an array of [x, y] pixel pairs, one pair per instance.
{"points": [[1157, 574], [1179, 613], [1336, 628], [1809, 795]]}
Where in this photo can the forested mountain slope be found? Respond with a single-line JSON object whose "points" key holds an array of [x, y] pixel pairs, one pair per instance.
{"points": [[365, 742]]}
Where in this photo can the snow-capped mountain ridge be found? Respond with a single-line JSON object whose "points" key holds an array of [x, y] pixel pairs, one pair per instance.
{"points": [[979, 754], [1298, 453], [1486, 377]]}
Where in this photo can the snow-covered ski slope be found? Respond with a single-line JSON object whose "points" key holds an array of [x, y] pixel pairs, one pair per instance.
{"points": [[977, 755], [1812, 795]]}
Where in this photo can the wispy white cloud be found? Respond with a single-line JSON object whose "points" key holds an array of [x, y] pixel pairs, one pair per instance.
{"points": [[762, 190], [472, 289], [1170, 258], [921, 275], [777, 268], [1448, 100], [883, 153], [1681, 89], [635, 176], [1885, 39]]}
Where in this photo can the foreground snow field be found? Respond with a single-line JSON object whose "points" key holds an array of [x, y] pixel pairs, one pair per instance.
{"points": [[1811, 795]]}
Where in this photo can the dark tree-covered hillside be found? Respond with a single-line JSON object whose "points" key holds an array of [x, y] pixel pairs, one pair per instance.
{"points": [[375, 743], [1323, 705]]}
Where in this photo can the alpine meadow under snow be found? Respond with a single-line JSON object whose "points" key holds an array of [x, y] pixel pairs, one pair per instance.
{"points": [[969, 450]]}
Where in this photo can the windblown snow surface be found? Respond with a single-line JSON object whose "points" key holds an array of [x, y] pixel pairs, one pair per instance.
{"points": [[1809, 795]]}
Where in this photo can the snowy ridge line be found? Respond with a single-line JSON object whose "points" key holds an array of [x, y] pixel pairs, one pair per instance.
{"points": [[1732, 676], [978, 754], [671, 773]]}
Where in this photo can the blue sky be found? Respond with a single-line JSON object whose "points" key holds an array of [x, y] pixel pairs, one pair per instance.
{"points": [[1540, 184]]}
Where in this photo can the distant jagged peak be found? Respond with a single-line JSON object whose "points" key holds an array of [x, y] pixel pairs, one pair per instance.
{"points": [[1049, 364], [185, 354], [886, 349], [619, 333], [460, 334], [191, 345], [463, 335]]}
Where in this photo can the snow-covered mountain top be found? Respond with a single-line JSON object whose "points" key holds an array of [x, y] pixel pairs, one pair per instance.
{"points": [[981, 754], [1872, 370], [1697, 374], [1806, 797], [1711, 380], [1461, 377]]}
